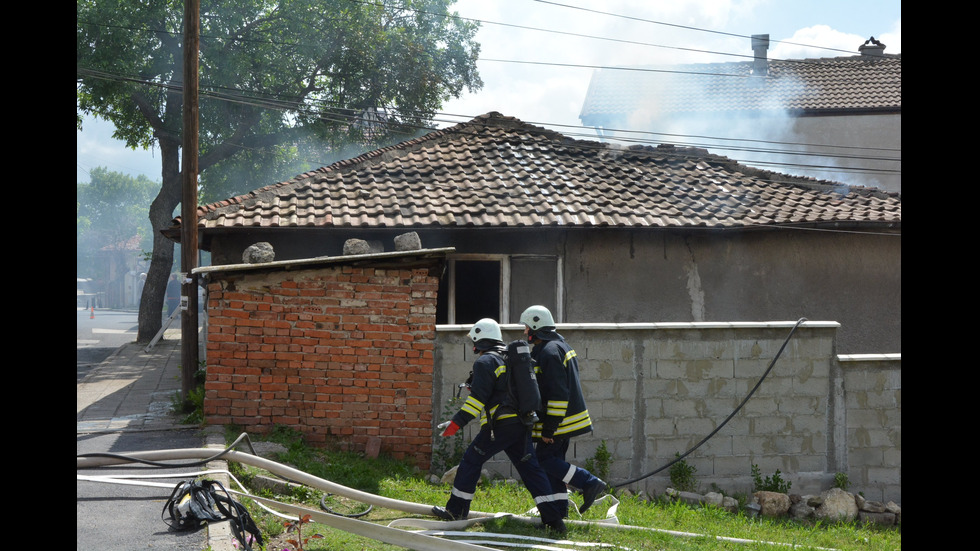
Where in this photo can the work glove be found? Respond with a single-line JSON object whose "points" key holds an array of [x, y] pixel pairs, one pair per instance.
{"points": [[450, 426]]}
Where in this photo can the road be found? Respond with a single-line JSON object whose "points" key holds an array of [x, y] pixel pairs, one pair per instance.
{"points": [[113, 517], [100, 332]]}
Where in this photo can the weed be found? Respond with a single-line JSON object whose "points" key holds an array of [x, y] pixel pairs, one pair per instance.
{"points": [[299, 541], [599, 464], [682, 476], [769, 484], [449, 450], [841, 481], [192, 408]]}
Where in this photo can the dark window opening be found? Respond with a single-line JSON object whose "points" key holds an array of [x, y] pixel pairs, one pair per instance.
{"points": [[477, 290], [470, 289]]}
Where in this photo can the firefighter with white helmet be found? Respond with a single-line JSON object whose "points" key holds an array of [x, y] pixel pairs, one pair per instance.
{"points": [[500, 430], [565, 414]]}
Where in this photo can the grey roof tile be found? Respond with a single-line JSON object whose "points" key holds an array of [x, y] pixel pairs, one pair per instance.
{"points": [[499, 171], [801, 85]]}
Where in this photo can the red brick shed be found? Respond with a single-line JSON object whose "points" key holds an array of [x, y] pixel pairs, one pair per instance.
{"points": [[338, 348]]}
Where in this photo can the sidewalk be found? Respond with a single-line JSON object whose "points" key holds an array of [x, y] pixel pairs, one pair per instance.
{"points": [[132, 389]]}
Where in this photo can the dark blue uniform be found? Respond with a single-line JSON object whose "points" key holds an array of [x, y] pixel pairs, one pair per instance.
{"points": [[565, 414], [500, 430]]}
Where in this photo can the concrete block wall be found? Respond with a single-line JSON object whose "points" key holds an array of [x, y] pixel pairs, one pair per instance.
{"points": [[873, 396], [656, 390], [340, 353]]}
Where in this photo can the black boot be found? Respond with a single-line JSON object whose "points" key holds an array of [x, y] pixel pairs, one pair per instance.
{"points": [[589, 494], [557, 527], [444, 514]]}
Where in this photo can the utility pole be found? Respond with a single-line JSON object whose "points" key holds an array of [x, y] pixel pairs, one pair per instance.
{"points": [[188, 203]]}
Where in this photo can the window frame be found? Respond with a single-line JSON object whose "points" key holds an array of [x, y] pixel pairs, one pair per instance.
{"points": [[504, 261]]}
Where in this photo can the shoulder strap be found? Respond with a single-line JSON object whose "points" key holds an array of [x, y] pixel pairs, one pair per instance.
{"points": [[241, 521]]}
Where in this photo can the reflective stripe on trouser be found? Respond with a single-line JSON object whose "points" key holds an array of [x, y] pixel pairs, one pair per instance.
{"points": [[561, 472], [514, 440]]}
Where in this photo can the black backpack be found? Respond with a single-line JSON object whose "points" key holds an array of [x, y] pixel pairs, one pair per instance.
{"points": [[194, 503], [523, 384]]}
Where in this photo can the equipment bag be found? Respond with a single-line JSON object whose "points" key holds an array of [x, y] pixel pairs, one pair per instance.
{"points": [[523, 383], [194, 503]]}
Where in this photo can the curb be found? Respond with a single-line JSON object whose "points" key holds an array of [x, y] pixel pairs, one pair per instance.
{"points": [[220, 536]]}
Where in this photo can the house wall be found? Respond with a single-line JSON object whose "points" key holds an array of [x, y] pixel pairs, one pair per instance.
{"points": [[343, 354], [615, 275], [865, 142], [857, 150], [656, 390], [634, 276]]}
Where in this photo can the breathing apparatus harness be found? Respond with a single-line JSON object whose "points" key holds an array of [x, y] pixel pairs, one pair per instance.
{"points": [[727, 419]]}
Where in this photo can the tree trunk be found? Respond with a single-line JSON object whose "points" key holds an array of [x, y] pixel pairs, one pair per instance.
{"points": [[162, 260]]}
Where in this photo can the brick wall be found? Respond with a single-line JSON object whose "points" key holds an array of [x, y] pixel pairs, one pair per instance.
{"points": [[340, 353]]}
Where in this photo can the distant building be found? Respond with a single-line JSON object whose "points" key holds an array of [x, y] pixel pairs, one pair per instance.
{"points": [[836, 118]]}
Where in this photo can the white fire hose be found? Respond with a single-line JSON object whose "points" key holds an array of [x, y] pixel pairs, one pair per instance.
{"points": [[419, 540]]}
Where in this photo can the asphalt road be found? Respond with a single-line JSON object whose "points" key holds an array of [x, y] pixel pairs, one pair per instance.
{"points": [[104, 511], [98, 334]]}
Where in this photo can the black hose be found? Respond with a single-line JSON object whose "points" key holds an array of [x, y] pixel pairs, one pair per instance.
{"points": [[727, 419], [323, 505], [242, 437]]}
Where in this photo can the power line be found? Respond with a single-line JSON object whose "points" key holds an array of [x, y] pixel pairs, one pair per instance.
{"points": [[688, 27], [683, 141], [342, 115]]}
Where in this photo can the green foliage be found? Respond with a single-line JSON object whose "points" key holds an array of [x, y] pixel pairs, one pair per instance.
{"points": [[775, 483], [192, 409], [841, 481], [112, 213], [599, 464], [448, 450], [272, 74], [682, 476]]}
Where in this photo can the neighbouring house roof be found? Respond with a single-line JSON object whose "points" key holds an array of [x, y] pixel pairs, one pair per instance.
{"points": [[845, 85], [497, 171], [128, 245]]}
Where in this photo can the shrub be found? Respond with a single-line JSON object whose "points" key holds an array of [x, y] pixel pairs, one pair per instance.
{"points": [[682, 476], [599, 464], [769, 484]]}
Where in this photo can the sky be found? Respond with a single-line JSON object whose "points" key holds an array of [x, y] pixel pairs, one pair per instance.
{"points": [[538, 56]]}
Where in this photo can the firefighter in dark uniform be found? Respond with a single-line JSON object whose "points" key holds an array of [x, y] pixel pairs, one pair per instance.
{"points": [[565, 414], [500, 430]]}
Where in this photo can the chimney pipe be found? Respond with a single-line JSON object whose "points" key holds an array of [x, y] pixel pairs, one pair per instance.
{"points": [[760, 44], [872, 48]]}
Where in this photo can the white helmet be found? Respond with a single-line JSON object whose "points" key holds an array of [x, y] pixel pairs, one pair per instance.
{"points": [[486, 329], [537, 317]]}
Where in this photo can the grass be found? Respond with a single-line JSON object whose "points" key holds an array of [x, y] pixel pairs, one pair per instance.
{"points": [[399, 480]]}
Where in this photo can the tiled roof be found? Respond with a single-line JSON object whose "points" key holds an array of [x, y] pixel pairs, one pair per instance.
{"points": [[497, 171], [853, 83]]}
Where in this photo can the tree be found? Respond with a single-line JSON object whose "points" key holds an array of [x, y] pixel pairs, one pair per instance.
{"points": [[110, 209], [276, 77]]}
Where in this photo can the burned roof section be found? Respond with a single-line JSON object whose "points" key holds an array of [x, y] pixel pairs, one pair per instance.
{"points": [[497, 171]]}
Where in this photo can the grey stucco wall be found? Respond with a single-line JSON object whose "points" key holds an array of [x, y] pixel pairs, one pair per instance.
{"points": [[868, 149], [629, 275], [634, 276], [655, 390]]}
